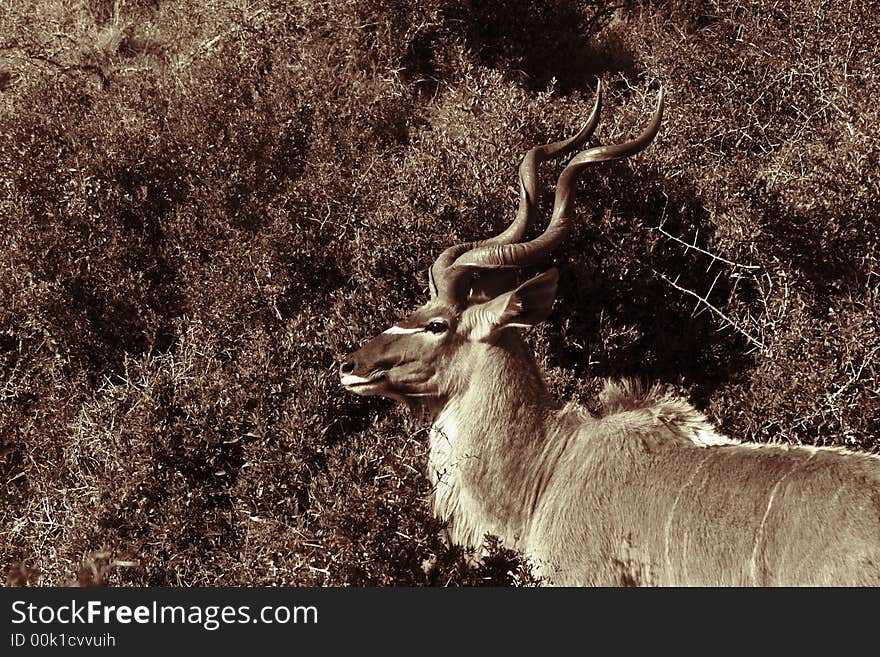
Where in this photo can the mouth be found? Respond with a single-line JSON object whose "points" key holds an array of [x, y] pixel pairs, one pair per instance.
{"points": [[360, 384]]}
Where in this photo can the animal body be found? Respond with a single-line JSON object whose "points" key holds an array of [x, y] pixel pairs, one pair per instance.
{"points": [[644, 493]]}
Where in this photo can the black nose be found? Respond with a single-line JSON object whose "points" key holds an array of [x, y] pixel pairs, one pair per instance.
{"points": [[346, 368]]}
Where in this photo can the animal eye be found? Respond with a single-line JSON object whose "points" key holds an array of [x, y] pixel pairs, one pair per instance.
{"points": [[436, 326]]}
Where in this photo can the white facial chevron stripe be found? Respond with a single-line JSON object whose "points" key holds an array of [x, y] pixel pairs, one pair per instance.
{"points": [[399, 330], [353, 380]]}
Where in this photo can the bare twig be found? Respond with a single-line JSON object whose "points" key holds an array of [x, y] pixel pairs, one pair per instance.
{"points": [[708, 294], [702, 300], [856, 375], [693, 246], [204, 47], [68, 69], [705, 302], [601, 15]]}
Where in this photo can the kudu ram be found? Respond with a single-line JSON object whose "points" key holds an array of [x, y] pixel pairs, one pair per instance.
{"points": [[645, 493]]}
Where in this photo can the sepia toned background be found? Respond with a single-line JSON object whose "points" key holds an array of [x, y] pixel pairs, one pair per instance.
{"points": [[206, 204]]}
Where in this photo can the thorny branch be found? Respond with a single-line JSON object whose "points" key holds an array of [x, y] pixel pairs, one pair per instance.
{"points": [[693, 247], [705, 302], [702, 299]]}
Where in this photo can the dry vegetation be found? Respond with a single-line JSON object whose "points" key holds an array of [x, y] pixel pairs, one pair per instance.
{"points": [[206, 203]]}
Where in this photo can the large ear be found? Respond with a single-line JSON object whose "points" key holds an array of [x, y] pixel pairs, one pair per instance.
{"points": [[527, 305]]}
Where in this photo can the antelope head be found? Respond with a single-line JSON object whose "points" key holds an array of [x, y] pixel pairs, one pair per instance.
{"points": [[475, 298]]}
